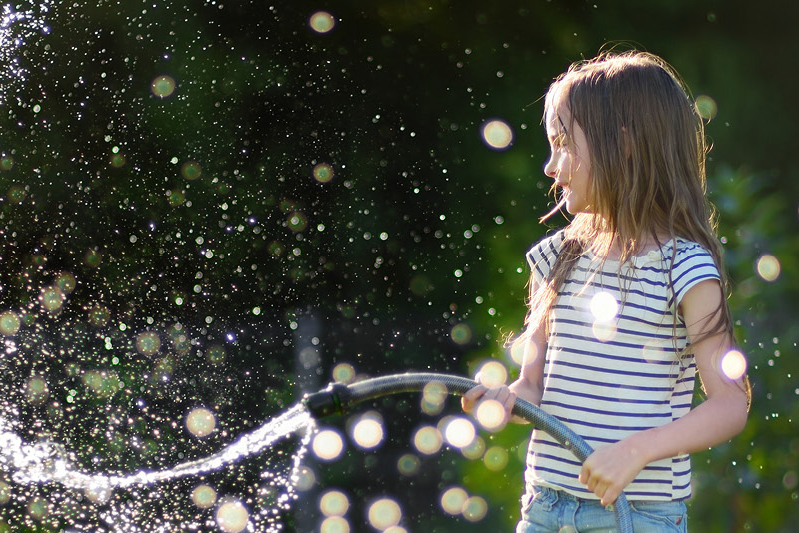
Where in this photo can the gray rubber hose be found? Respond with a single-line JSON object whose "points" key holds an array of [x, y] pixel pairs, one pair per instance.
{"points": [[337, 398]]}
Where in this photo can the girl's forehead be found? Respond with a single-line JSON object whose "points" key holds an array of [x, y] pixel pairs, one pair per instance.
{"points": [[556, 118]]}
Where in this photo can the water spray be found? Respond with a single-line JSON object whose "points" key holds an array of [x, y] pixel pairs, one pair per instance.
{"points": [[338, 398]]}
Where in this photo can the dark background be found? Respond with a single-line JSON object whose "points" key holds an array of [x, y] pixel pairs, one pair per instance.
{"points": [[241, 261]]}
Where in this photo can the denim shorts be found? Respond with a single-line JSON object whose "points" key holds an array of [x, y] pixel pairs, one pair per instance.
{"points": [[545, 510]]}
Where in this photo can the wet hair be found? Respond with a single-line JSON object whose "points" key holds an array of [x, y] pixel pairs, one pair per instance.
{"points": [[647, 169]]}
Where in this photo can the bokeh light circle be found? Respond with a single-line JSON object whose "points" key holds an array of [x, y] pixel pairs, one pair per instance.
{"points": [[343, 373], [475, 450], [733, 364], [453, 499], [334, 524], [706, 107], [367, 433], [491, 414], [163, 86], [408, 464], [148, 343], [768, 268], [52, 299], [334, 503], [493, 374], [203, 496], [604, 306], [327, 445], [322, 22], [461, 334], [323, 173], [232, 516], [459, 432], [384, 513], [475, 509], [427, 440], [36, 391], [497, 134], [200, 422], [9, 323], [496, 458], [191, 170]]}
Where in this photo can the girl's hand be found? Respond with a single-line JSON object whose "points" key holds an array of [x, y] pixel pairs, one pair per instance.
{"points": [[611, 468], [490, 406]]}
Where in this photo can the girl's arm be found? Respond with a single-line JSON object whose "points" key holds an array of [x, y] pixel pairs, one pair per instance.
{"points": [[720, 417], [528, 386]]}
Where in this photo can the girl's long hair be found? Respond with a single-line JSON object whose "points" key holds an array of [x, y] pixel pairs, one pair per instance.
{"points": [[647, 154]]}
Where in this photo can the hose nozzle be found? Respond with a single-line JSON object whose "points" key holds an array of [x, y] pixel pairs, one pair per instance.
{"points": [[335, 399]]}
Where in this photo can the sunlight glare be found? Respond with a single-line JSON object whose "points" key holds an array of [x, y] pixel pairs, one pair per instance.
{"points": [[368, 432], [493, 374], [491, 414], [459, 432], [327, 445], [604, 306], [733, 364]]}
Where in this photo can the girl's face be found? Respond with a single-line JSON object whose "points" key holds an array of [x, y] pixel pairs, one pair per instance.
{"points": [[569, 162]]}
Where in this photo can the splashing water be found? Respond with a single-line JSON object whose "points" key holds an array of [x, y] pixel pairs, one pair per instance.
{"points": [[16, 27], [48, 463]]}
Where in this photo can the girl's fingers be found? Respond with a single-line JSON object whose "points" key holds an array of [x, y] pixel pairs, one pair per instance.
{"points": [[470, 398]]}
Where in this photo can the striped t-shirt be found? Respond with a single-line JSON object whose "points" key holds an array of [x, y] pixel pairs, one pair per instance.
{"points": [[612, 363]]}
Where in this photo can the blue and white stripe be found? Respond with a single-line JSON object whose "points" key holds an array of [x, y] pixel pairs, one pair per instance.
{"points": [[607, 378]]}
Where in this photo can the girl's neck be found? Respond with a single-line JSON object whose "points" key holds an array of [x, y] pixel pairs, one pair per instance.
{"points": [[643, 246]]}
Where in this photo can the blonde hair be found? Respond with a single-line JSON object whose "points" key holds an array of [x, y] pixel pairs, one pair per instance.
{"points": [[647, 165]]}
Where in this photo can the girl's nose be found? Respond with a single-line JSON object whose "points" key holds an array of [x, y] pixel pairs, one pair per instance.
{"points": [[550, 168]]}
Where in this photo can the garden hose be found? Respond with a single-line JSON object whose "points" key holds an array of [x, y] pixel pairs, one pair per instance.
{"points": [[337, 398]]}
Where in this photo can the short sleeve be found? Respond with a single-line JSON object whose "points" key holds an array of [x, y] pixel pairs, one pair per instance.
{"points": [[692, 265], [543, 254]]}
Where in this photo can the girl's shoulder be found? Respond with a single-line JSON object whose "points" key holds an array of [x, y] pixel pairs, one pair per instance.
{"points": [[683, 249], [543, 254], [691, 264]]}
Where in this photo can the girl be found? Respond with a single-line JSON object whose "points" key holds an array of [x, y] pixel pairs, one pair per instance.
{"points": [[627, 303]]}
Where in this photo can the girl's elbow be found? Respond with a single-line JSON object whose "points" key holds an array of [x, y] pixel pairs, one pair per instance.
{"points": [[740, 412]]}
